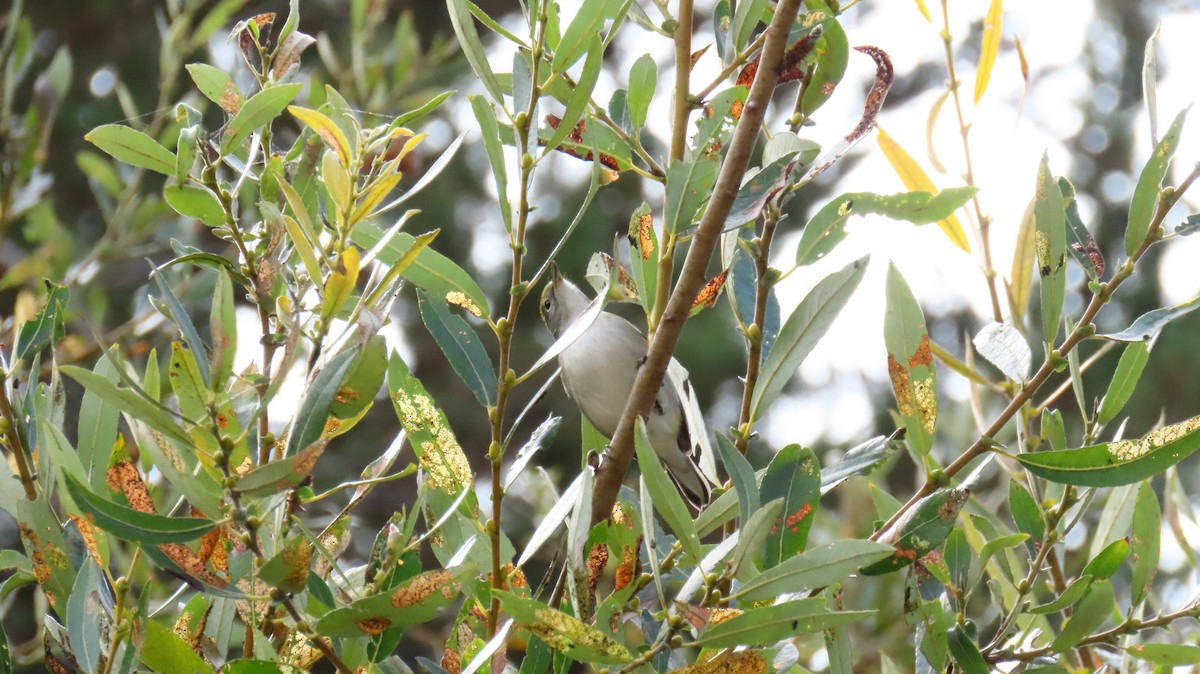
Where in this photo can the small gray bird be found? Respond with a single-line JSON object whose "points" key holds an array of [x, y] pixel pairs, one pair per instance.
{"points": [[598, 372]]}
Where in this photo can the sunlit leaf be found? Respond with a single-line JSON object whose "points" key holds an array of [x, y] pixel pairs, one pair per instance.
{"points": [[988, 49], [133, 147], [910, 362], [916, 180], [258, 111], [1050, 245], [1149, 184], [1120, 462], [768, 624]]}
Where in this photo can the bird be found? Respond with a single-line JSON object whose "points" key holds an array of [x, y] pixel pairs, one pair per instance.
{"points": [[598, 372]]}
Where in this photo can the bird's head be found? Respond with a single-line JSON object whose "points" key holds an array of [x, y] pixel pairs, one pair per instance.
{"points": [[562, 302]]}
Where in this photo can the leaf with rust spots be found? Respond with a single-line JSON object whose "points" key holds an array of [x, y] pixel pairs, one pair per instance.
{"points": [[910, 363], [190, 562], [123, 477], [418, 600], [373, 626], [641, 231], [563, 632], [281, 475], [922, 530], [630, 567], [728, 662], [793, 475], [288, 570], [707, 297]]}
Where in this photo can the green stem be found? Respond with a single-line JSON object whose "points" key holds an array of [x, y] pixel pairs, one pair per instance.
{"points": [[14, 442]]}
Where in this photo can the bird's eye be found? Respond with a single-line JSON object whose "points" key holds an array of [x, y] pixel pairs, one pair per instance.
{"points": [[546, 305]]}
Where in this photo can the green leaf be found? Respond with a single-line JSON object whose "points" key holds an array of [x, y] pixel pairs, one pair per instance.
{"points": [[1147, 326], [923, 529], [130, 524], [1144, 542], [1110, 464], [667, 500], [833, 55], [417, 600], [1149, 184], [1106, 563], [741, 475], [643, 78], [216, 85], [562, 632], [748, 15], [752, 535], [47, 327], [164, 651], [1083, 246], [192, 201], [910, 363], [485, 116], [1174, 655], [1091, 613], [769, 624], [579, 34], [965, 652], [581, 95], [97, 432], [288, 569], [85, 618], [129, 401], [472, 46], [689, 184], [133, 147], [431, 270], [180, 317], [794, 475], [257, 112], [1050, 245], [429, 433], [1124, 381], [1026, 514], [310, 422], [222, 324], [814, 568], [801, 332], [277, 476], [1019, 278], [461, 346], [1074, 592], [828, 227], [357, 391]]}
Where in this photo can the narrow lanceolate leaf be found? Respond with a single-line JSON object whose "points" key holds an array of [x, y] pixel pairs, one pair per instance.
{"points": [[1091, 613], [312, 419], [802, 330], [257, 112], [814, 568], [341, 283], [1020, 279], [428, 431], [564, 633], [768, 624], [989, 48], [324, 127], [1149, 184], [133, 147], [430, 269], [1050, 245], [910, 362], [923, 529], [833, 55], [461, 346], [915, 179], [288, 569], [688, 185], [130, 524], [1147, 326], [1124, 381], [222, 324], [965, 652], [579, 33], [1144, 542], [47, 326], [130, 401], [581, 94], [472, 46], [1175, 655], [1150, 82], [1111, 464], [861, 459], [1082, 244], [741, 475], [278, 476], [86, 619], [643, 77], [415, 601], [667, 500], [179, 315], [793, 475]]}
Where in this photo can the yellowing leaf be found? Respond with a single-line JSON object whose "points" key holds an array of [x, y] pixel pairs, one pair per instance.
{"points": [[341, 283], [923, 9], [915, 179], [324, 127], [989, 48]]}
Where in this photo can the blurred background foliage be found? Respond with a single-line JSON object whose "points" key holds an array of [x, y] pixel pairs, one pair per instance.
{"points": [[69, 66]]}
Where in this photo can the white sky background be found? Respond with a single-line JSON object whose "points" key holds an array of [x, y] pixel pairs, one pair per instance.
{"points": [[1005, 152]]}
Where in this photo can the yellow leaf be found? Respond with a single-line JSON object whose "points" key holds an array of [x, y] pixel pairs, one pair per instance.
{"points": [[989, 48], [338, 184], [374, 195], [1021, 278], [325, 128], [341, 283], [923, 10], [916, 180]]}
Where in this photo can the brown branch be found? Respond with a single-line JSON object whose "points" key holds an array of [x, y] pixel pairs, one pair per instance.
{"points": [[650, 376]]}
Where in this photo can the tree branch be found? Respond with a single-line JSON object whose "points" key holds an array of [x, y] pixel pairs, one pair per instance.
{"points": [[650, 376]]}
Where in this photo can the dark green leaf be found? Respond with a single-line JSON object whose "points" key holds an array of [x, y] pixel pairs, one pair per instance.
{"points": [[182, 320], [1149, 184], [431, 270], [47, 327], [801, 332], [133, 147], [276, 476], [769, 624], [130, 524], [923, 529], [1083, 246], [86, 616], [833, 54], [861, 460], [581, 95], [1074, 592], [485, 116], [965, 652], [358, 389], [1120, 462], [309, 425], [416, 601], [794, 475], [129, 401], [689, 184], [741, 475], [1026, 514]]}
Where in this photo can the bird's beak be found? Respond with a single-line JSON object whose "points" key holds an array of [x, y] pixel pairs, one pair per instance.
{"points": [[554, 269]]}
